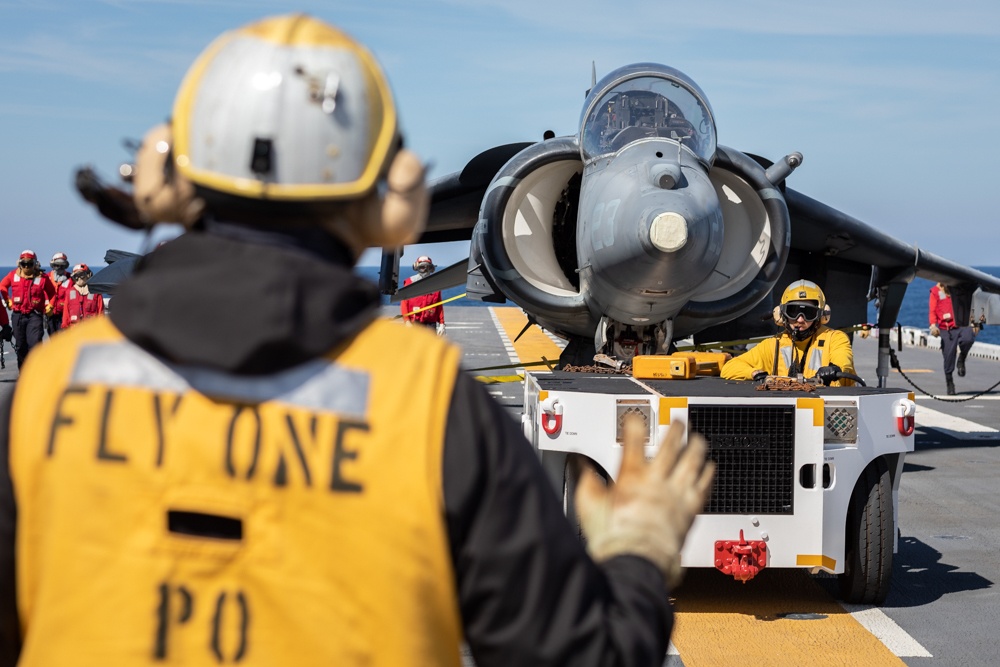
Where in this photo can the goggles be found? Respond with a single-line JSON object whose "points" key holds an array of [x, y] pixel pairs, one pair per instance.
{"points": [[792, 311], [26, 263]]}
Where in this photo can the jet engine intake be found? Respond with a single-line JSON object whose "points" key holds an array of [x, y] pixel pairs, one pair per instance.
{"points": [[755, 249], [513, 238]]}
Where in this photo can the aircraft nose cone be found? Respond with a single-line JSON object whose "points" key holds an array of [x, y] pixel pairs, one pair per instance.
{"points": [[669, 231]]}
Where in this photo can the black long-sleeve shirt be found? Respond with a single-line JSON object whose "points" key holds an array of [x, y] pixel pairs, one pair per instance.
{"points": [[528, 592]]}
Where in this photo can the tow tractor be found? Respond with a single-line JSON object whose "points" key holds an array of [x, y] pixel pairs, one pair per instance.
{"points": [[807, 476]]}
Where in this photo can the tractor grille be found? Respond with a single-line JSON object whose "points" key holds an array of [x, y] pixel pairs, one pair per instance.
{"points": [[754, 453]]}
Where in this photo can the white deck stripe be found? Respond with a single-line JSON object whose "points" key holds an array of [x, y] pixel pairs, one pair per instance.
{"points": [[672, 650], [895, 638], [507, 344], [985, 397], [956, 427]]}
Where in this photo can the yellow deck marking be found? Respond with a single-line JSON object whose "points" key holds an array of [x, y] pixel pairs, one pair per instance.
{"points": [[534, 344], [721, 621]]}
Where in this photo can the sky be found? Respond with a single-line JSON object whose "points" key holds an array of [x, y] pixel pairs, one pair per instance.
{"points": [[894, 104]]}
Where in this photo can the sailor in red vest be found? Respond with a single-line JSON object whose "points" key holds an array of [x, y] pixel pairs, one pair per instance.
{"points": [[949, 313], [29, 294], [60, 280], [78, 301], [432, 316]]}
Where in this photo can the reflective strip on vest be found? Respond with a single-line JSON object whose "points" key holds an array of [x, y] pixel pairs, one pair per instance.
{"points": [[316, 385], [813, 363]]}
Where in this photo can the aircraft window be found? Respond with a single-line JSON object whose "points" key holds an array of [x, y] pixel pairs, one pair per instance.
{"points": [[648, 107]]}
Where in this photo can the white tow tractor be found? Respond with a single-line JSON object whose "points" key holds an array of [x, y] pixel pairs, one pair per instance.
{"points": [[805, 478]]}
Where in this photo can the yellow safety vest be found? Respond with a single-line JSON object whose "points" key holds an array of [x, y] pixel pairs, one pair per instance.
{"points": [[178, 515], [828, 346]]}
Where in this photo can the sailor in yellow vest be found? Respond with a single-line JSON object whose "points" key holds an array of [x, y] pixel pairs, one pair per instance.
{"points": [[178, 494], [805, 345]]}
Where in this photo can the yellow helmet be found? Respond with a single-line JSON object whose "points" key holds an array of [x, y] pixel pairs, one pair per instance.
{"points": [[286, 109], [804, 290]]}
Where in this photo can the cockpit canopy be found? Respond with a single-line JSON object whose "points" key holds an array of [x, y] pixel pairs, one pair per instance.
{"points": [[647, 100]]}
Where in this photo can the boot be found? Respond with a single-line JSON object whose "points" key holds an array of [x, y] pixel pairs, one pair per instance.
{"points": [[960, 366], [951, 384]]}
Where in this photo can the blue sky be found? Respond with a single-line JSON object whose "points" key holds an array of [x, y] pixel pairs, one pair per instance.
{"points": [[894, 104]]}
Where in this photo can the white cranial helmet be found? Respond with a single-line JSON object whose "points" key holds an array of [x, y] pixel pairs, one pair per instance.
{"points": [[286, 109]]}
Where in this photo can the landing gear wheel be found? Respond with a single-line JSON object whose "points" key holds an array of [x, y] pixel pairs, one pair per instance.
{"points": [[868, 562]]}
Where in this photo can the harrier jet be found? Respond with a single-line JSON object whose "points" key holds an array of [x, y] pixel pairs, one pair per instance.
{"points": [[641, 226]]}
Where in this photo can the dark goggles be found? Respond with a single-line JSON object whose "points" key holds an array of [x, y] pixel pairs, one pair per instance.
{"points": [[792, 311], [26, 263]]}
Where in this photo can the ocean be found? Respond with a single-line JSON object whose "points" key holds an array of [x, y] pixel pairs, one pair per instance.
{"points": [[913, 313]]}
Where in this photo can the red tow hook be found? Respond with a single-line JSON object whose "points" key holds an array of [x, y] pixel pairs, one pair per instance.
{"points": [[743, 560]]}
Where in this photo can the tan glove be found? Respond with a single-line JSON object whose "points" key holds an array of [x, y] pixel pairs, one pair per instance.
{"points": [[161, 193], [649, 510], [49, 309], [935, 331]]}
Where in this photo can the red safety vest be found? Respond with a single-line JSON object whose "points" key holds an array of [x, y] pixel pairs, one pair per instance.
{"points": [[28, 295], [61, 287], [78, 306]]}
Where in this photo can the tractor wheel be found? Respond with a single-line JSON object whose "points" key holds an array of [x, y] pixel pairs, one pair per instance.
{"points": [[870, 529]]}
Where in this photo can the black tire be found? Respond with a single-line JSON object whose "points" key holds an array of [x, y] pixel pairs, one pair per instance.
{"points": [[870, 529]]}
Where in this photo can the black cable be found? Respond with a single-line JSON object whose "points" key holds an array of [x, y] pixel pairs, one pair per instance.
{"points": [[852, 376], [894, 362]]}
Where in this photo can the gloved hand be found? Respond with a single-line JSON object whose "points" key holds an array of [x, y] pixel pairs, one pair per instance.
{"points": [[935, 331], [6, 333], [649, 510], [49, 309], [758, 376], [440, 329], [828, 373]]}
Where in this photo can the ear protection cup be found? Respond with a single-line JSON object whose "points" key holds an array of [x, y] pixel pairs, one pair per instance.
{"points": [[162, 194], [825, 317], [407, 201], [391, 220], [779, 319]]}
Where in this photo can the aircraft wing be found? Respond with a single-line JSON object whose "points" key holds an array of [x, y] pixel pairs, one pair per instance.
{"points": [[451, 276], [819, 228], [815, 228]]}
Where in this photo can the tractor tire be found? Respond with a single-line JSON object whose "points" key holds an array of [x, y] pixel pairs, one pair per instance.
{"points": [[870, 529]]}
